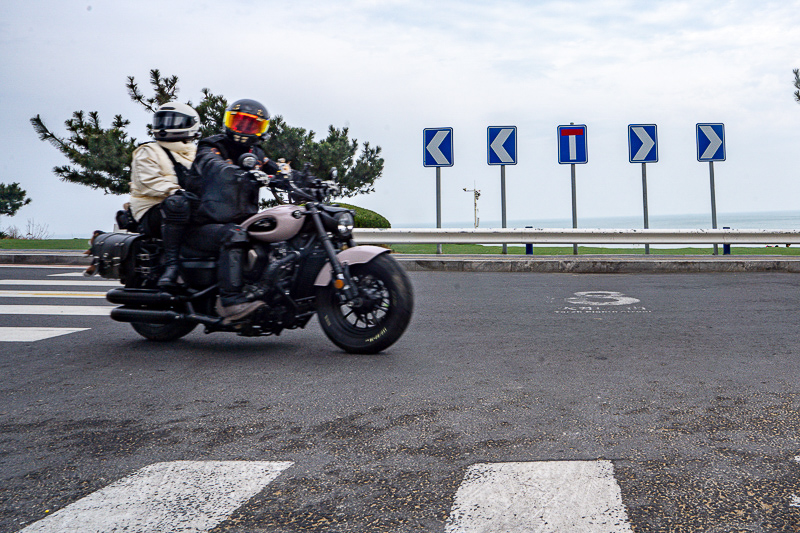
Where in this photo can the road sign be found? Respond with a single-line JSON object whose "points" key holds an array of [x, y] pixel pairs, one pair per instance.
{"points": [[572, 144], [642, 143], [437, 147], [711, 142], [502, 142]]}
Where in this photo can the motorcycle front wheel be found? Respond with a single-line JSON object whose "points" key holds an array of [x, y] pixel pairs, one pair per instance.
{"points": [[379, 316]]}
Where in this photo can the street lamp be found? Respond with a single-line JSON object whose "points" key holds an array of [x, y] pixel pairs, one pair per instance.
{"points": [[476, 195]]}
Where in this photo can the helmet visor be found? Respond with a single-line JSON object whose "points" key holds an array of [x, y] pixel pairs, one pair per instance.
{"points": [[246, 123], [172, 120]]}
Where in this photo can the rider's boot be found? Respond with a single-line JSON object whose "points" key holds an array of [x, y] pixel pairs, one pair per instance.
{"points": [[175, 213], [172, 235], [233, 303]]}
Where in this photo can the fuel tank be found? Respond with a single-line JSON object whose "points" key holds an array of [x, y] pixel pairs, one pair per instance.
{"points": [[276, 223]]}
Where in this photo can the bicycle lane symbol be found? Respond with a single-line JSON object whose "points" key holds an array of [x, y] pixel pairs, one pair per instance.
{"points": [[601, 302]]}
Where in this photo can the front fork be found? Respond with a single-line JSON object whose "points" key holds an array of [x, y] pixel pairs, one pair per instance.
{"points": [[341, 274]]}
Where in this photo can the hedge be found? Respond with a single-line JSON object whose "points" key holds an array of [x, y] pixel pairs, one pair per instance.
{"points": [[366, 218]]}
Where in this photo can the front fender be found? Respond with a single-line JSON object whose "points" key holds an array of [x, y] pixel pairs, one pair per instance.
{"points": [[352, 256]]}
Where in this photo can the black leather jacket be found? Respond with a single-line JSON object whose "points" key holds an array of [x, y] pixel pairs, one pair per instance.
{"points": [[227, 193]]}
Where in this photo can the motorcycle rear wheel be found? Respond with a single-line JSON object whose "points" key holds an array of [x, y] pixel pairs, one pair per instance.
{"points": [[383, 316], [163, 332]]}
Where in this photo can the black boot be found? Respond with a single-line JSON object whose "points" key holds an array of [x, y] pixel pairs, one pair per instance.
{"points": [[233, 303], [172, 235]]}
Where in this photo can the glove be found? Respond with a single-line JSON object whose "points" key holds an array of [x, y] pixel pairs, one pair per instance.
{"points": [[258, 175]]}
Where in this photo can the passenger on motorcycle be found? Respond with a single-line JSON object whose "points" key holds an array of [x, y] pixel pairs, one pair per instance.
{"points": [[228, 196], [157, 180]]}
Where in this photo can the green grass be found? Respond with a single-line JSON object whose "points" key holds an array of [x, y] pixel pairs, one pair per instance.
{"points": [[584, 250], [44, 244]]}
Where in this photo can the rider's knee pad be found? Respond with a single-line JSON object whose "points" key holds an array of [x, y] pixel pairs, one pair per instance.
{"points": [[176, 209]]}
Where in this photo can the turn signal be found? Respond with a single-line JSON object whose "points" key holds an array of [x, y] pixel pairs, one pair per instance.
{"points": [[338, 283]]}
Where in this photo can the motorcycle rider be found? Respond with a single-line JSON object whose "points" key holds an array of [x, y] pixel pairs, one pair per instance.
{"points": [[228, 196], [157, 175]]}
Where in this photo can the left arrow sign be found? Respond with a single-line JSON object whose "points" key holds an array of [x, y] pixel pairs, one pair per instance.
{"points": [[497, 145], [433, 147], [438, 147]]}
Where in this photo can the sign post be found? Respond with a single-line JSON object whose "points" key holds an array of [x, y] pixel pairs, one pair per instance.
{"points": [[572, 150], [502, 150], [437, 151], [643, 148], [711, 147]]}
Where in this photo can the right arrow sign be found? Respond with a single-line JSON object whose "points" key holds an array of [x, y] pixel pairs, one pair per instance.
{"points": [[711, 142], [642, 143]]}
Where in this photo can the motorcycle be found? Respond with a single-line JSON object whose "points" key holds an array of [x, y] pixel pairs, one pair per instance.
{"points": [[300, 259]]}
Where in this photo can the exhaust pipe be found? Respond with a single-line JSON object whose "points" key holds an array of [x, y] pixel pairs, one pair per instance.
{"points": [[147, 316], [148, 297]]}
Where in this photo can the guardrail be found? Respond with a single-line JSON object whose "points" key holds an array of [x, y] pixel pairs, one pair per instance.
{"points": [[573, 236]]}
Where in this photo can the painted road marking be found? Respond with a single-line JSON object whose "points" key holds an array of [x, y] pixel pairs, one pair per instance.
{"points": [[61, 282], [50, 294], [71, 310], [34, 334], [68, 274], [186, 496], [540, 497]]}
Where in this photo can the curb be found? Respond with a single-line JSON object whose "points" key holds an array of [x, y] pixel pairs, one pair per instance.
{"points": [[588, 264], [617, 264], [44, 257]]}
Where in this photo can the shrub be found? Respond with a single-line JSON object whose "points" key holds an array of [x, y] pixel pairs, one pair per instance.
{"points": [[366, 218]]}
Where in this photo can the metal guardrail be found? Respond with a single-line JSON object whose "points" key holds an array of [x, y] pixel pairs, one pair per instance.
{"points": [[572, 236]]}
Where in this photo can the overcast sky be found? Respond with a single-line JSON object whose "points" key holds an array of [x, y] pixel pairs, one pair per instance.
{"points": [[389, 69]]}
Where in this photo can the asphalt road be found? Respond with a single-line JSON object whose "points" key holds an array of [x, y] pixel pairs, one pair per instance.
{"points": [[686, 383]]}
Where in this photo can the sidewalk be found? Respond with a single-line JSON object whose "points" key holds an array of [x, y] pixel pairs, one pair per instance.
{"points": [[580, 264]]}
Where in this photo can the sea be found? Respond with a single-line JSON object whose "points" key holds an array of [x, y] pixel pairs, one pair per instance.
{"points": [[772, 220]]}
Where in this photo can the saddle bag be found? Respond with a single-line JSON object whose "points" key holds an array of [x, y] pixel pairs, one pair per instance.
{"points": [[113, 254]]}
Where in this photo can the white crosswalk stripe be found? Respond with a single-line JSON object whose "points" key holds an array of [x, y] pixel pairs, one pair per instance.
{"points": [[72, 310], [540, 497], [186, 496], [29, 334], [61, 282]]}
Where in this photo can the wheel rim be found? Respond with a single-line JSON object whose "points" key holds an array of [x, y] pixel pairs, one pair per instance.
{"points": [[372, 311]]}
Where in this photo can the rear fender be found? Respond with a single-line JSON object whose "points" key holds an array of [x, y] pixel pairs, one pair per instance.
{"points": [[352, 256]]}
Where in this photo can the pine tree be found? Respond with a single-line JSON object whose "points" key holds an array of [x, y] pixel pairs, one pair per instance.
{"points": [[12, 197], [797, 85], [100, 157]]}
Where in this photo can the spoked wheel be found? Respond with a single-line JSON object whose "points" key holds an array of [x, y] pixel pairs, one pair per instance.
{"points": [[378, 317]]}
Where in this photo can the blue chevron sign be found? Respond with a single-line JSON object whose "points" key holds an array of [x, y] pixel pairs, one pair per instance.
{"points": [[711, 142], [502, 142], [642, 143], [437, 146]]}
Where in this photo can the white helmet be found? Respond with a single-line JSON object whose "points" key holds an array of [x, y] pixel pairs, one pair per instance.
{"points": [[176, 122]]}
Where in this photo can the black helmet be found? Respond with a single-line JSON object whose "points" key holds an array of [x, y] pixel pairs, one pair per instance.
{"points": [[246, 121], [174, 121]]}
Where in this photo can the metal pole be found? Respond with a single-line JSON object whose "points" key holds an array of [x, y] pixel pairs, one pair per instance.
{"points": [[713, 203], [644, 198], [574, 209], [503, 200], [438, 204]]}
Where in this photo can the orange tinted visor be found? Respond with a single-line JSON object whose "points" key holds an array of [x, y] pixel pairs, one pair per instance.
{"points": [[245, 123]]}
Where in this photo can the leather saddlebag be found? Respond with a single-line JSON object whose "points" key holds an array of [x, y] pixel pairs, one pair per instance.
{"points": [[114, 253]]}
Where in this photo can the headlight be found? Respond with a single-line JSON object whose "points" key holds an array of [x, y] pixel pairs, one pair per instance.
{"points": [[344, 222]]}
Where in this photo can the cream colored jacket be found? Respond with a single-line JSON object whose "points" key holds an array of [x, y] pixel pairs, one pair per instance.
{"points": [[153, 175]]}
